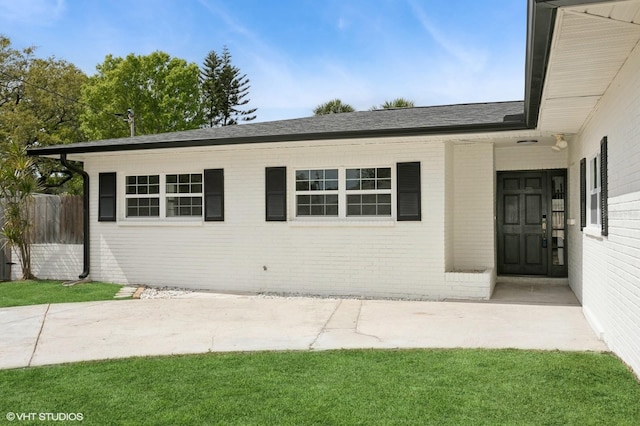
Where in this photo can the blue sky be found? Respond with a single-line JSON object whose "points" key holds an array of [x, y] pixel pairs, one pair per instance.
{"points": [[300, 53]]}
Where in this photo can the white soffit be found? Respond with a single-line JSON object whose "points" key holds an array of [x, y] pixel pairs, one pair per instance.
{"points": [[590, 45]]}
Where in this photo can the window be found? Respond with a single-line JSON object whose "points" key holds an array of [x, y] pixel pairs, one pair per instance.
{"points": [[317, 192], [184, 194], [368, 192], [594, 190], [143, 196], [347, 193], [177, 195]]}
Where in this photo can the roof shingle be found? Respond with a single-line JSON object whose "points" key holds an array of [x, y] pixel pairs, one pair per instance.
{"points": [[385, 122]]}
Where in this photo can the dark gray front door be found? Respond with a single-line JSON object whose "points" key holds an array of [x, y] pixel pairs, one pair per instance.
{"points": [[522, 211]]}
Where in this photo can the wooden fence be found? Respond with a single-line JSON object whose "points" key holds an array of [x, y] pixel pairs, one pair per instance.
{"points": [[56, 219]]}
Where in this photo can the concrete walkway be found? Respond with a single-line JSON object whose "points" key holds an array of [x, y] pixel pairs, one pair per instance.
{"points": [[205, 322]]}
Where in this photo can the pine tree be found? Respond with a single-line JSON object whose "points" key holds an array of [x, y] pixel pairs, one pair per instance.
{"points": [[224, 90]]}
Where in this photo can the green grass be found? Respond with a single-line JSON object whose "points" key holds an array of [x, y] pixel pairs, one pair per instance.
{"points": [[21, 293], [364, 387]]}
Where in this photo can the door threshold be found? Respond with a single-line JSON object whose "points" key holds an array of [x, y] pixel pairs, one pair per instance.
{"points": [[532, 280]]}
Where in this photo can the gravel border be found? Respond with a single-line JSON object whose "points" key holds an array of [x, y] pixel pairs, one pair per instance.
{"points": [[163, 293], [178, 292]]}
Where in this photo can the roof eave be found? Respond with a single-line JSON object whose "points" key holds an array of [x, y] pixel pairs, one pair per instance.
{"points": [[417, 131], [540, 25]]}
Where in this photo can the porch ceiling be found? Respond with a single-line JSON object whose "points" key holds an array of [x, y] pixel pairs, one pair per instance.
{"points": [[590, 45]]}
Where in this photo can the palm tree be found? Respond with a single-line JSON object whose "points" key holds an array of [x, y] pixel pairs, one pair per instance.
{"points": [[18, 183], [334, 106], [397, 103]]}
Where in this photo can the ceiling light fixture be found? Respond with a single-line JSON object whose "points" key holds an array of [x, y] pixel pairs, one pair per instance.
{"points": [[560, 143]]}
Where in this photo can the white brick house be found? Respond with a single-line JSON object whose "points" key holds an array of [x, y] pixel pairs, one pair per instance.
{"points": [[430, 202]]}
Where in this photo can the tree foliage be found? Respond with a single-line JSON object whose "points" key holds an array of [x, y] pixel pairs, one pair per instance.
{"points": [[333, 106], [162, 91], [39, 106], [224, 91], [13, 66], [396, 103]]}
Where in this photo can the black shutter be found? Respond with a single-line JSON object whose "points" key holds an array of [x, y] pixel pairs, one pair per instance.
{"points": [[408, 188], [604, 189], [107, 197], [583, 193], [214, 195], [276, 194]]}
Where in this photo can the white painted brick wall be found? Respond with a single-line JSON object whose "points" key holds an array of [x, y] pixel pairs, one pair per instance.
{"points": [[574, 236], [374, 258], [608, 269], [52, 262], [529, 158], [471, 285], [449, 207], [474, 201]]}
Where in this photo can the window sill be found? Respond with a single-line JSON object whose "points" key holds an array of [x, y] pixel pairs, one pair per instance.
{"points": [[160, 223], [593, 232], [341, 223]]}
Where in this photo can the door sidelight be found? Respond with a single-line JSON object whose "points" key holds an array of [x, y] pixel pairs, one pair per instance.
{"points": [[544, 231]]}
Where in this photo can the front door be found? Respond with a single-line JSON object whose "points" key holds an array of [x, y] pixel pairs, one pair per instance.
{"points": [[531, 223], [521, 206]]}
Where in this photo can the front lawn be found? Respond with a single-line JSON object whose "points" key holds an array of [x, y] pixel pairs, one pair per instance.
{"points": [[21, 293], [335, 388]]}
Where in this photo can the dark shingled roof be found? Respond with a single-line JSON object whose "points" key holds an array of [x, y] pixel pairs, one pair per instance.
{"points": [[461, 118]]}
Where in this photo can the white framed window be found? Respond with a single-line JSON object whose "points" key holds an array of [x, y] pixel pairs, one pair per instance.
{"points": [[184, 195], [317, 192], [363, 192], [594, 191], [170, 196], [368, 191], [142, 194]]}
